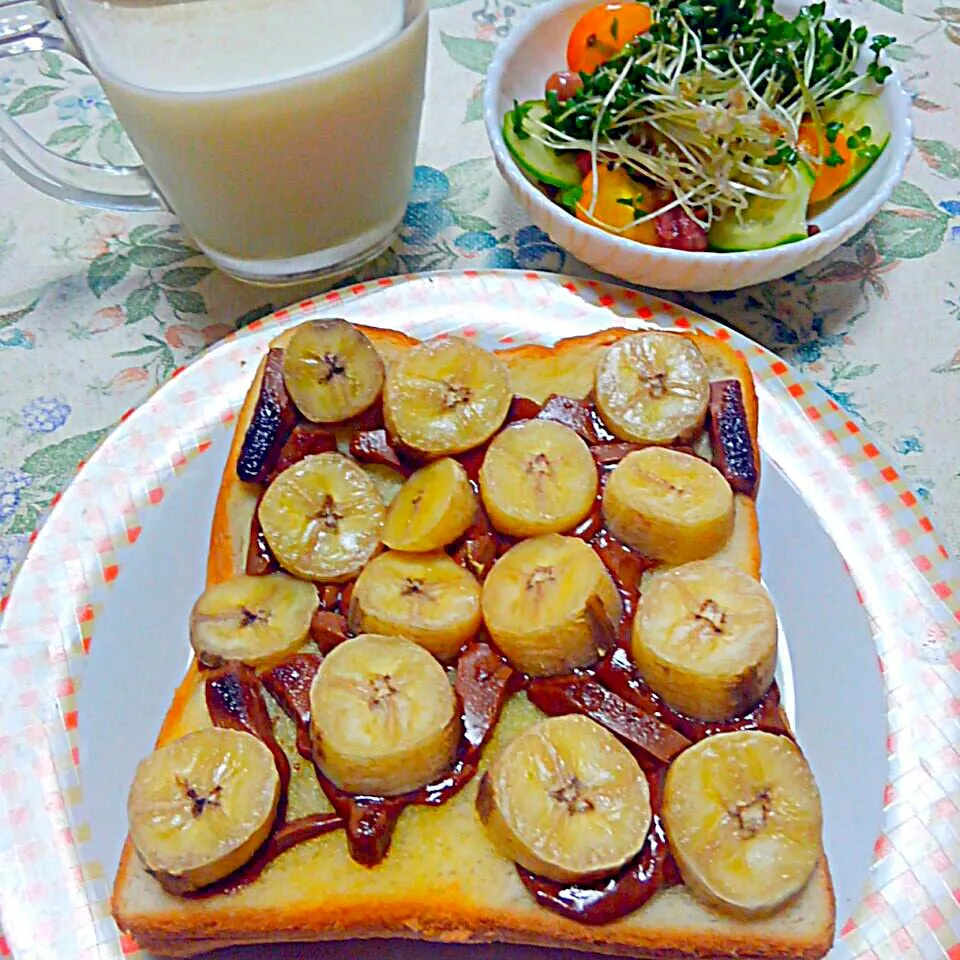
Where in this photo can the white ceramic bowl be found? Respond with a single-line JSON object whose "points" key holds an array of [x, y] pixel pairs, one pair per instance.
{"points": [[537, 46]]}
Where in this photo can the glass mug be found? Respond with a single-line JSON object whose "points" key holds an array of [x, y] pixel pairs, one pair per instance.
{"points": [[282, 133]]}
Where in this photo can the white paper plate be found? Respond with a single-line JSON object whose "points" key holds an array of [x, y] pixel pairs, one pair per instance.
{"points": [[93, 640]]}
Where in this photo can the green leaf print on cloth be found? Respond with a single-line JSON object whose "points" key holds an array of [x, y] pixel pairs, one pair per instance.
{"points": [[913, 228], [940, 157], [25, 493], [473, 54], [149, 247], [32, 100]]}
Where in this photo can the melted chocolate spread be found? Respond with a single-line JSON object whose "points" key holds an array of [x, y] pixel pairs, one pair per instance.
{"points": [[328, 629], [604, 901], [234, 701], [374, 446], [234, 698], [734, 452], [616, 673], [304, 440], [610, 693], [260, 558], [274, 416], [653, 742]]}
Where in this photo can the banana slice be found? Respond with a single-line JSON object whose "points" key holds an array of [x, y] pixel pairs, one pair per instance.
{"points": [[387, 480], [433, 508], [445, 396], [705, 639], [742, 815], [668, 505], [426, 597], [256, 620], [331, 371], [550, 605], [566, 800], [322, 518], [384, 717], [652, 388], [537, 477], [201, 806]]}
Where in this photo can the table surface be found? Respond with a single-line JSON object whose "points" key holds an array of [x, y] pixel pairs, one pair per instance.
{"points": [[97, 308]]}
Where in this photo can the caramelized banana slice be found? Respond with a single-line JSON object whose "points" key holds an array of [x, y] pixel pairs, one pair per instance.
{"points": [[742, 815], [425, 597], [433, 508], [384, 718], [537, 477], [445, 396], [705, 639], [201, 806], [387, 480], [550, 605], [653, 388], [566, 800], [668, 505], [332, 371], [322, 518], [257, 620]]}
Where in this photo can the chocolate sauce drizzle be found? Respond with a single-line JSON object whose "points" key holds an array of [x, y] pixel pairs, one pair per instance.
{"points": [[611, 693], [655, 734], [304, 440], [653, 742], [274, 416], [260, 558], [374, 446], [616, 672], [235, 700], [734, 452], [604, 901]]}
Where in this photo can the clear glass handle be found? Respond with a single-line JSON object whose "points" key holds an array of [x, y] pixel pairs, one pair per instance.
{"points": [[28, 28]]}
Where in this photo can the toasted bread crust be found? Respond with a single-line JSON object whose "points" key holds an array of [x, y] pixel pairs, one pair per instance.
{"points": [[370, 919], [315, 892]]}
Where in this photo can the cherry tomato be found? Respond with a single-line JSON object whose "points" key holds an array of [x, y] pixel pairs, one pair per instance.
{"points": [[612, 186], [829, 178], [601, 33], [564, 83]]}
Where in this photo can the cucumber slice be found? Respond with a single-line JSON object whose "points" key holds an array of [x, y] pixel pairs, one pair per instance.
{"points": [[856, 111], [767, 222], [536, 160]]}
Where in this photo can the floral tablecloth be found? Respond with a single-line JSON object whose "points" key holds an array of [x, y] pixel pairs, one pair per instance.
{"points": [[98, 308]]}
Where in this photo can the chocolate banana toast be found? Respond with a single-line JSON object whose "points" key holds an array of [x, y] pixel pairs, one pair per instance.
{"points": [[484, 656]]}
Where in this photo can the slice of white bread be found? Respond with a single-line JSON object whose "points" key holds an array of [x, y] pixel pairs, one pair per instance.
{"points": [[443, 879]]}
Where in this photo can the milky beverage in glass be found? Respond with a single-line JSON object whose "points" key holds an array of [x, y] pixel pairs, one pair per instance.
{"points": [[282, 132]]}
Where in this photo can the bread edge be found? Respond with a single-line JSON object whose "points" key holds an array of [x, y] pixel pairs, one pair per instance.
{"points": [[352, 921]]}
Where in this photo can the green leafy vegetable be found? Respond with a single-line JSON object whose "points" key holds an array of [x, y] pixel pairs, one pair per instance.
{"points": [[518, 115], [708, 103], [569, 197]]}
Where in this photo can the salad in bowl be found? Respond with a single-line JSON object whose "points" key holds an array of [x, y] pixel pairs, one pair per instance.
{"points": [[702, 127]]}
